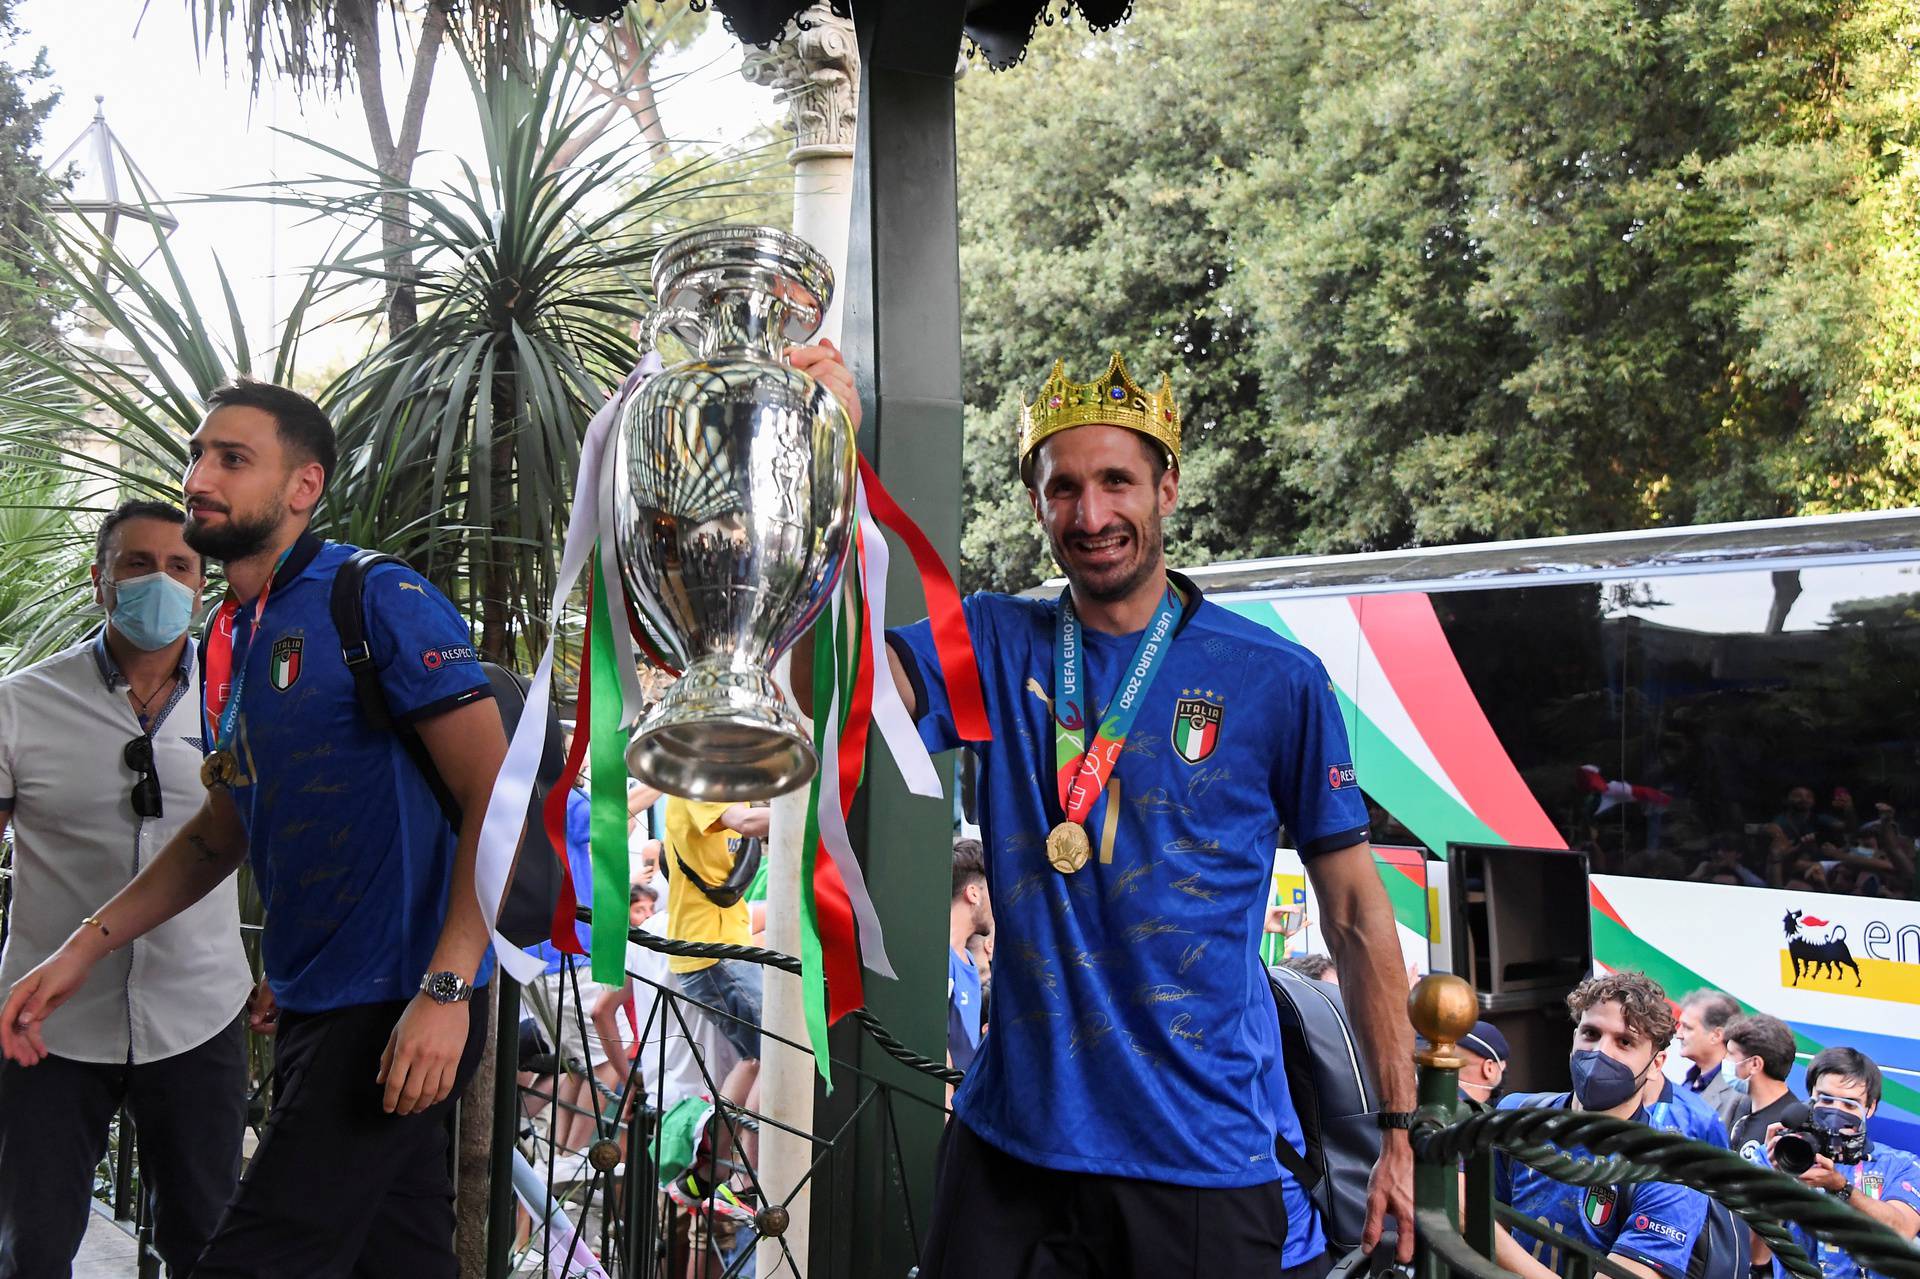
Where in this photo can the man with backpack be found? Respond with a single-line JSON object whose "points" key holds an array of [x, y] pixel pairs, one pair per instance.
{"points": [[1619, 1043], [374, 941]]}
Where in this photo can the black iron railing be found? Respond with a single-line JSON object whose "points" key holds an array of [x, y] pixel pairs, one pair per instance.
{"points": [[613, 1197]]}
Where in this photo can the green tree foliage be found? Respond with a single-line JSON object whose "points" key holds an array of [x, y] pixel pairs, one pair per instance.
{"points": [[1431, 271], [27, 306], [1086, 227]]}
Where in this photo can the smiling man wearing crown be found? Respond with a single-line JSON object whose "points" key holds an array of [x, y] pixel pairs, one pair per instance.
{"points": [[1148, 746]]}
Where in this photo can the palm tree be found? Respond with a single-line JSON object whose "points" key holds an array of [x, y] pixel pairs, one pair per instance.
{"points": [[458, 437]]}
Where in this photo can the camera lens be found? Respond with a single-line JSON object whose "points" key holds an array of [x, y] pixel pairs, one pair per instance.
{"points": [[1793, 1153]]}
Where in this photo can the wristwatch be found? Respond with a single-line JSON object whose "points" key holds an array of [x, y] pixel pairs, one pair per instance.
{"points": [[1845, 1193], [1388, 1119], [446, 988]]}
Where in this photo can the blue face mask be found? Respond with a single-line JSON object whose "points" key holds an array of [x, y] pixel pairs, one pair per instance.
{"points": [[152, 611], [1730, 1071], [1600, 1082]]}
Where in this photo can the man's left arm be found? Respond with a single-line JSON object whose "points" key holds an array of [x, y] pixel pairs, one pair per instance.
{"points": [[1357, 921], [467, 745]]}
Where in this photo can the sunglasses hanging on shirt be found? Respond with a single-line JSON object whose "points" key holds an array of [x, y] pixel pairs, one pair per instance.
{"points": [[138, 756]]}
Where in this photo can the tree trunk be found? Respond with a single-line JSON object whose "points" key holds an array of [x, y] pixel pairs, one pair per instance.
{"points": [[394, 156], [475, 1138]]}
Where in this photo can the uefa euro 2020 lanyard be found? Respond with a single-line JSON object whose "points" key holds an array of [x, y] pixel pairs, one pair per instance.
{"points": [[222, 767], [1082, 770]]}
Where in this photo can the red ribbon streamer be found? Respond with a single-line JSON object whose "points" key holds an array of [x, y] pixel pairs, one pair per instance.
{"points": [[950, 638], [846, 985], [553, 811]]}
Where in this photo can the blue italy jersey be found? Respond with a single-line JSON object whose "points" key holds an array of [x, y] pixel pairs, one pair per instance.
{"points": [[1679, 1110], [1306, 1233], [1889, 1175], [1134, 1032], [1654, 1223], [351, 852]]}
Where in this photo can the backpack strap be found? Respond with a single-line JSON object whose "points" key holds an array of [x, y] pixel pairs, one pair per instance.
{"points": [[1296, 1163], [348, 605]]}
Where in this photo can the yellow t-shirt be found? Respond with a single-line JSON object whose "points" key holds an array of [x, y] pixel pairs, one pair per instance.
{"points": [[696, 837]]}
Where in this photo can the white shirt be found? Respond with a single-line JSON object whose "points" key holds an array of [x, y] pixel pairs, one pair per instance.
{"points": [[654, 1014], [64, 725]]}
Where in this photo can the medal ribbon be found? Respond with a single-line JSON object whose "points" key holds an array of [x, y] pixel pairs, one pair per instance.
{"points": [[224, 683], [1083, 770]]}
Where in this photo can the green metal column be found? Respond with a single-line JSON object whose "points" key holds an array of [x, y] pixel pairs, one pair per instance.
{"points": [[902, 337]]}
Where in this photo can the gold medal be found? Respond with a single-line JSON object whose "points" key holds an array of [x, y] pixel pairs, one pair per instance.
{"points": [[217, 771], [1068, 847]]}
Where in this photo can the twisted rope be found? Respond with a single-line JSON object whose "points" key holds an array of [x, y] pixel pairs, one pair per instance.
{"points": [[875, 1028], [1632, 1152]]}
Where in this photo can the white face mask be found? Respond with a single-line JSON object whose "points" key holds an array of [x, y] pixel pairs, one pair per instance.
{"points": [[152, 610]]}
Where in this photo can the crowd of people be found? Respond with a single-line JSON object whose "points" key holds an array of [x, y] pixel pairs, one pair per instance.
{"points": [[1805, 847], [1120, 1113], [1734, 1094]]}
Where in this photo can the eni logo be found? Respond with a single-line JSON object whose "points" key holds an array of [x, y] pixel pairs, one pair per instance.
{"points": [[1820, 955]]}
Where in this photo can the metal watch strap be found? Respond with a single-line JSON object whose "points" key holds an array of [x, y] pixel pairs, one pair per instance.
{"points": [[1390, 1119], [433, 984]]}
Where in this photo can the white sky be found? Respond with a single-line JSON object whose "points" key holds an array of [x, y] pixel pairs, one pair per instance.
{"points": [[192, 129]]}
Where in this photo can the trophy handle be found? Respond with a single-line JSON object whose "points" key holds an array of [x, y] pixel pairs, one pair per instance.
{"points": [[672, 318]]}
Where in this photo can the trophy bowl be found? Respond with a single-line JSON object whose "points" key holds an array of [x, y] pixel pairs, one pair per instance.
{"points": [[733, 480]]}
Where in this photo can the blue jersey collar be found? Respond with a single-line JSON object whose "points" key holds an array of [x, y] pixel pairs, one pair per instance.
{"points": [[305, 547], [1192, 596]]}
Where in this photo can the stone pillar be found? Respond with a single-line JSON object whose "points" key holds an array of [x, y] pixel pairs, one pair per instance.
{"points": [[816, 71]]}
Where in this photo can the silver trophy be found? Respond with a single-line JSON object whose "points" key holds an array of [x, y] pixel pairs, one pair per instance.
{"points": [[733, 492]]}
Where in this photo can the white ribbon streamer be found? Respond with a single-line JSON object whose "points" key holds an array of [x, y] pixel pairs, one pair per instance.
{"points": [[632, 700], [839, 845], [889, 711], [507, 808]]}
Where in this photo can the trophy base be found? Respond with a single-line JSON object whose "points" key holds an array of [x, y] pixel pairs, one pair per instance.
{"points": [[722, 735]]}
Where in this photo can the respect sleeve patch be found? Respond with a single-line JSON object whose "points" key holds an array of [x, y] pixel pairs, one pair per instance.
{"points": [[434, 658]]}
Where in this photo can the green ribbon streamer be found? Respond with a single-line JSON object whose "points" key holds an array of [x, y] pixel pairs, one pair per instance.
{"points": [[607, 751], [813, 982]]}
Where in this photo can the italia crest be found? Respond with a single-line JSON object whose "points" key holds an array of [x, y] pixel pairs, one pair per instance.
{"points": [[1196, 724], [286, 661], [1598, 1207]]}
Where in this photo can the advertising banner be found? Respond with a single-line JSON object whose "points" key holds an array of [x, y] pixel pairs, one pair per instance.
{"points": [[1842, 971]]}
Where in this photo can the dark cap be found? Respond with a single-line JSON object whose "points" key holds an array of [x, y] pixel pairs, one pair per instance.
{"points": [[1484, 1040]]}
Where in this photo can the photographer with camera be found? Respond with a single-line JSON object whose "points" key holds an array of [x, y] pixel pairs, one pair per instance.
{"points": [[1832, 1152]]}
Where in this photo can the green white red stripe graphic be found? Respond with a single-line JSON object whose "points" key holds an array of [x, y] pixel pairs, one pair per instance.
{"points": [[1421, 744]]}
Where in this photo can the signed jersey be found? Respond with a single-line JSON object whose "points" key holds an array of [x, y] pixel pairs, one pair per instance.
{"points": [[1134, 1032], [1654, 1223], [351, 852]]}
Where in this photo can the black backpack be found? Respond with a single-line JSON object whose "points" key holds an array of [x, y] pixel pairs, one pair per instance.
{"points": [[1335, 1100], [1720, 1250], [526, 916]]}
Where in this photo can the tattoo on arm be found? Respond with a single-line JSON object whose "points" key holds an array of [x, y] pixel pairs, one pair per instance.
{"points": [[202, 847]]}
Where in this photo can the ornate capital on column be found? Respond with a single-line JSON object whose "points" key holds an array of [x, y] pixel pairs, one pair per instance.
{"points": [[816, 69]]}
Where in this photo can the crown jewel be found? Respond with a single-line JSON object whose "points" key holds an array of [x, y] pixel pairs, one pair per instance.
{"points": [[1113, 398]]}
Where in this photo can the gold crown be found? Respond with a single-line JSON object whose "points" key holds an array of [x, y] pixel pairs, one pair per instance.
{"points": [[1112, 398]]}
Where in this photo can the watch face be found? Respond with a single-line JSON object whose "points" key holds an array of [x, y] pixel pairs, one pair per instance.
{"points": [[443, 987]]}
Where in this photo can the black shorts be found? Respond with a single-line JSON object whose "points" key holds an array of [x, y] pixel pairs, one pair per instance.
{"points": [[998, 1217]]}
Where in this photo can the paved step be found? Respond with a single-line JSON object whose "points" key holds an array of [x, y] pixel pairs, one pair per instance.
{"points": [[107, 1252]]}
